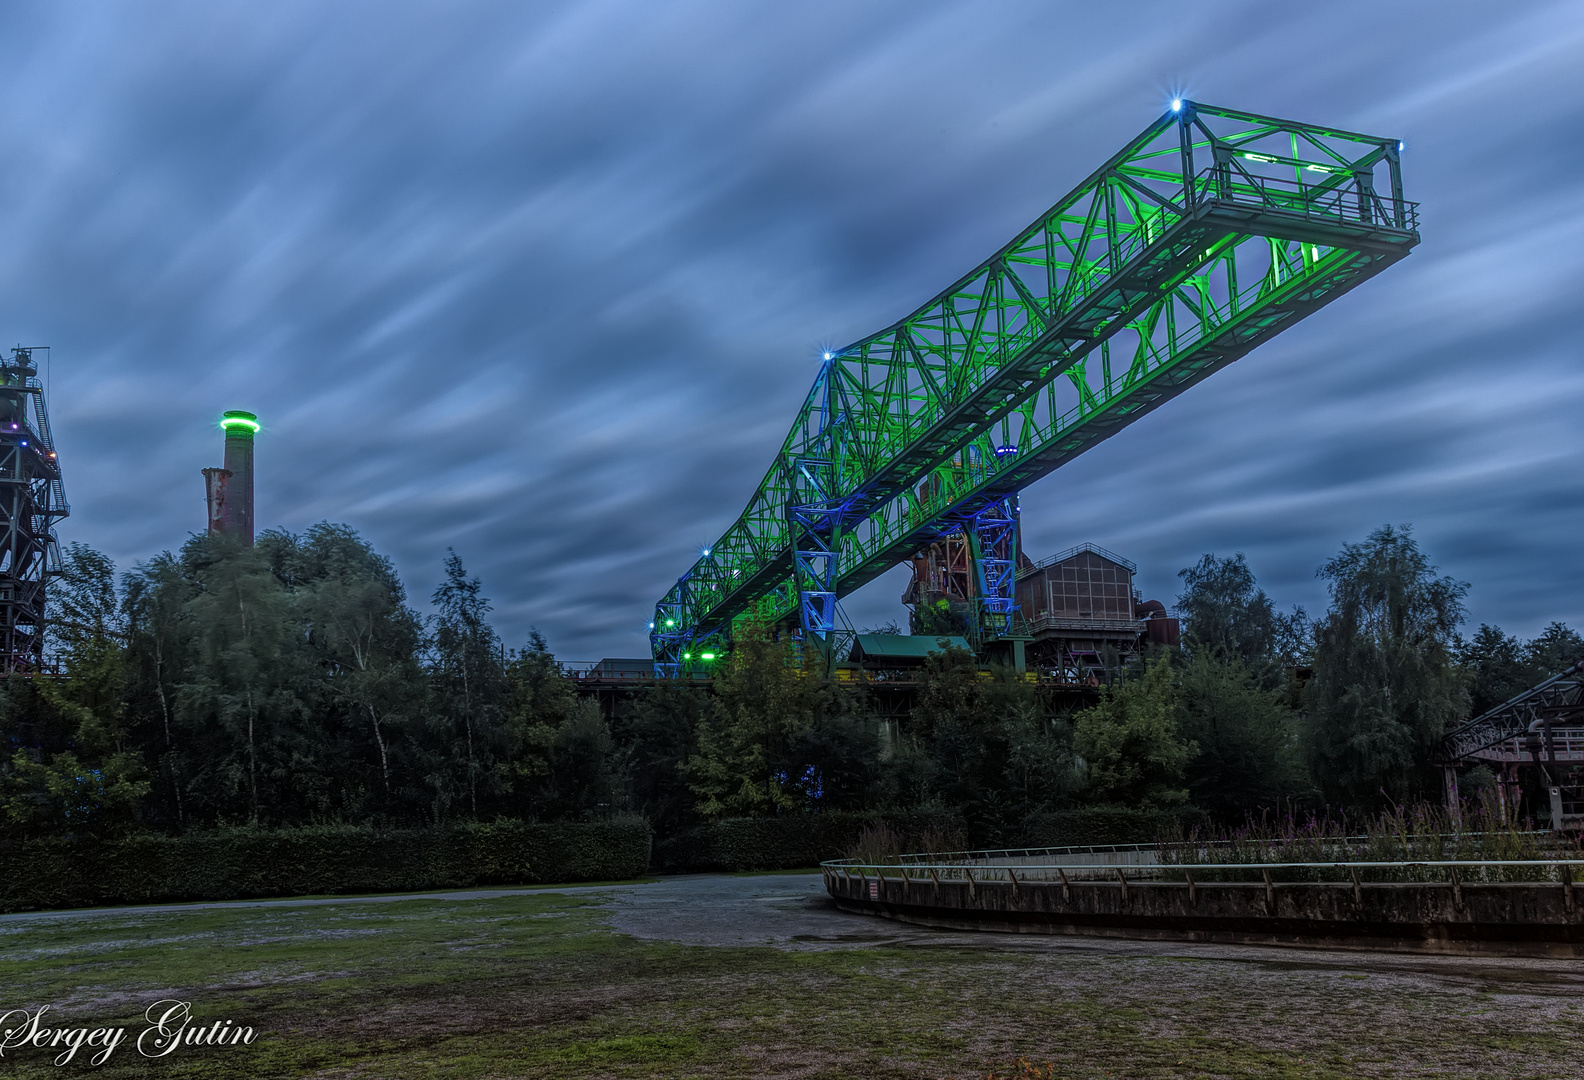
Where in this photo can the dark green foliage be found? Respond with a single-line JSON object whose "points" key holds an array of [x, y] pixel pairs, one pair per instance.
{"points": [[1227, 614], [1496, 668], [364, 641], [1385, 686], [233, 864], [288, 684], [469, 677], [289, 687], [776, 739], [1038, 768], [984, 742], [656, 732], [1130, 740], [70, 761], [1088, 825], [1499, 666], [1556, 649], [834, 761], [558, 757], [1245, 734], [793, 841], [581, 781]]}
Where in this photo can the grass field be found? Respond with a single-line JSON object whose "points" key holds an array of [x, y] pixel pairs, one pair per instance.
{"points": [[538, 985]]}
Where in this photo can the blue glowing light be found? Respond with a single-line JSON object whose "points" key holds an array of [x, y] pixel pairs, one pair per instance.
{"points": [[1177, 104], [828, 355]]}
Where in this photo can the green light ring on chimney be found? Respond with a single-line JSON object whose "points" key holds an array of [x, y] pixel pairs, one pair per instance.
{"points": [[239, 420]]}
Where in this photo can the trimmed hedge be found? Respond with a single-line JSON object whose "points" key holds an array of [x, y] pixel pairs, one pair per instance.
{"points": [[1106, 825], [234, 864], [791, 841], [796, 841]]}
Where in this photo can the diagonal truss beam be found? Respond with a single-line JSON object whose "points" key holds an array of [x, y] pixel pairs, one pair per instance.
{"points": [[1209, 233]]}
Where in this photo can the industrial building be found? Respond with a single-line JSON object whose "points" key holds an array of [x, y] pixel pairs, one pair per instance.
{"points": [[1076, 619], [1082, 614], [1072, 616]]}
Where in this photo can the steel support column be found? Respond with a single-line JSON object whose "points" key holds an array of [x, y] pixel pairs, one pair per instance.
{"points": [[993, 545], [814, 520]]}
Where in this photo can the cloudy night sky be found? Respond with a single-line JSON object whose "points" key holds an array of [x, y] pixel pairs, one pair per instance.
{"points": [[547, 282]]}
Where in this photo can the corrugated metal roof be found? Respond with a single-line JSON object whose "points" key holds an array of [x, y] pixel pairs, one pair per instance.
{"points": [[900, 646], [1063, 556]]}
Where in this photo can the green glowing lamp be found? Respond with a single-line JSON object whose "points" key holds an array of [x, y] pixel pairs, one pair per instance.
{"points": [[238, 420]]}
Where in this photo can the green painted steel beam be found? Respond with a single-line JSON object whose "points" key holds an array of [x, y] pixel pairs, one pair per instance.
{"points": [[1209, 233]]}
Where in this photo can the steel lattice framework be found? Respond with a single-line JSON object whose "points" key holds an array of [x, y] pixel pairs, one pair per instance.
{"points": [[1209, 233], [1528, 725], [1543, 726], [32, 500]]}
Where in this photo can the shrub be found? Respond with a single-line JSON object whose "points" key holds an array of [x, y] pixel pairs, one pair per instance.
{"points": [[1106, 825], [241, 863], [795, 841]]}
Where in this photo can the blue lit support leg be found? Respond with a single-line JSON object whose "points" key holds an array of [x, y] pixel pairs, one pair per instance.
{"points": [[814, 521], [993, 544], [670, 635]]}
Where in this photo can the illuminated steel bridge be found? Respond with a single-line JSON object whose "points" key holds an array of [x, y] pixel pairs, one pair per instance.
{"points": [[1209, 233]]}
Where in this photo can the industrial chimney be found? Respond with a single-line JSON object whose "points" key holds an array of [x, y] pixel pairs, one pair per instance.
{"points": [[230, 490]]}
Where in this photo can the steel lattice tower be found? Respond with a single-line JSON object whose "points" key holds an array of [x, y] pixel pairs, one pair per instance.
{"points": [[32, 500]]}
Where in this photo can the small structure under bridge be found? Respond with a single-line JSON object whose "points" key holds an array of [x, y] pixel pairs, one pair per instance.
{"points": [[1541, 728]]}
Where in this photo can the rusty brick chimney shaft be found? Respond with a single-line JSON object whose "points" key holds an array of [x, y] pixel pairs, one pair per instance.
{"points": [[230, 490]]}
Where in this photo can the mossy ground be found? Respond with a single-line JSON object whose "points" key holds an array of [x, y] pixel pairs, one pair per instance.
{"points": [[536, 985]]}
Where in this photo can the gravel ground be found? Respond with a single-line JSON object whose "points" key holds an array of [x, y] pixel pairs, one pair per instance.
{"points": [[770, 980], [793, 911]]}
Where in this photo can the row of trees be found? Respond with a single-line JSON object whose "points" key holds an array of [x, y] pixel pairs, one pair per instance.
{"points": [[286, 683], [1261, 707], [291, 683]]}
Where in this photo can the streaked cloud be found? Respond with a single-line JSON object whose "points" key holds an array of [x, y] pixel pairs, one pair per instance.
{"points": [[545, 283]]}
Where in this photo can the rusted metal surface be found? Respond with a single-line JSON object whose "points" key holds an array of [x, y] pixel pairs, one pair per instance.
{"points": [[1557, 703], [215, 490]]}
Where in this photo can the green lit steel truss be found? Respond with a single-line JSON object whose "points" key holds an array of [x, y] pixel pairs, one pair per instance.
{"points": [[1211, 232]]}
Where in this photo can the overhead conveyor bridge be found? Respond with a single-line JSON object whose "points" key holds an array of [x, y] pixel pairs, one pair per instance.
{"points": [[1209, 233], [1543, 727]]}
